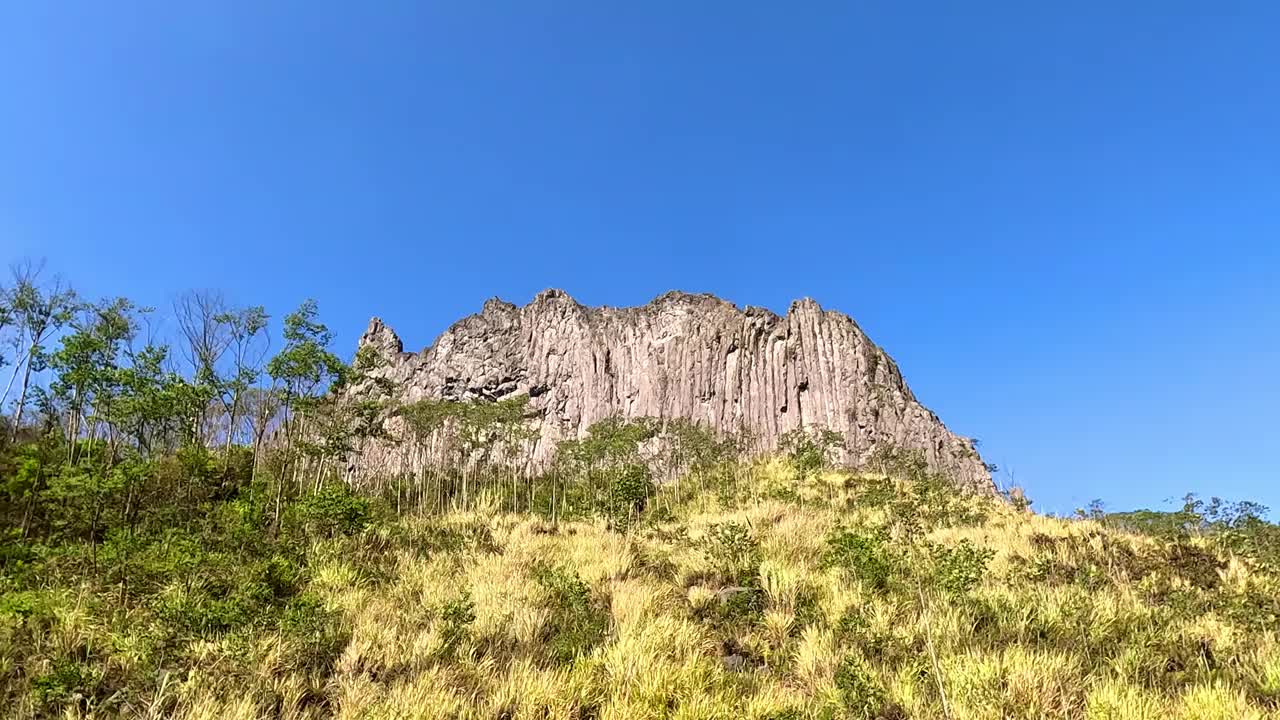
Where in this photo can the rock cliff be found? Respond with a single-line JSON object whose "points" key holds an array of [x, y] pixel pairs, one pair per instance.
{"points": [[681, 355]]}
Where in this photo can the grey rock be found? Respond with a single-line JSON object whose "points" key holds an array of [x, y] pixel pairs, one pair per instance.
{"points": [[726, 595], [734, 663], [382, 339], [680, 356]]}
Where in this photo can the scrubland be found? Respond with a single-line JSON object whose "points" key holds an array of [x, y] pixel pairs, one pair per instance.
{"points": [[763, 591]]}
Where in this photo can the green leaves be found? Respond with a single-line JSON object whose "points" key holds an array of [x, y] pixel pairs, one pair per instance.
{"points": [[628, 494], [334, 510], [474, 427], [611, 441], [810, 451], [958, 569], [867, 557], [456, 618], [732, 552], [305, 365], [577, 620], [606, 472], [860, 690]]}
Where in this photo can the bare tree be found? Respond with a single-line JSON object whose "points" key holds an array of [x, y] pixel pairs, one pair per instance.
{"points": [[200, 315]]}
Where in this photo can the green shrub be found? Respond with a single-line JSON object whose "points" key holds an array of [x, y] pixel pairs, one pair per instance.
{"points": [[931, 499], [456, 618], [808, 608], [860, 690], [317, 632], [628, 494], [740, 605], [334, 510], [853, 631], [68, 682], [444, 538], [578, 622], [866, 557], [959, 569], [22, 605], [733, 553], [810, 452]]}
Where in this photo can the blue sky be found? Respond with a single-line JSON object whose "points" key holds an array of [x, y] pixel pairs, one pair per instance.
{"points": [[1062, 220]]}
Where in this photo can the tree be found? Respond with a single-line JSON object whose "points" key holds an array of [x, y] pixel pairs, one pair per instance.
{"points": [[38, 312], [88, 364], [248, 349], [473, 433], [608, 465], [302, 370], [199, 315], [6, 315], [810, 449]]}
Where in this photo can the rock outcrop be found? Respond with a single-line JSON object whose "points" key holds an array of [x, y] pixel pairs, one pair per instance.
{"points": [[681, 355]]}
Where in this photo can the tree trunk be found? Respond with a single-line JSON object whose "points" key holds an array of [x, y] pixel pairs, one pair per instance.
{"points": [[73, 427], [231, 431], [12, 376]]}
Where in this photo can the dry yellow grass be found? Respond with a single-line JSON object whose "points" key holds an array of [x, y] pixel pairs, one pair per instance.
{"points": [[1014, 647]]}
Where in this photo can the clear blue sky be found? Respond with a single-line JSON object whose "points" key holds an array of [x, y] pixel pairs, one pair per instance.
{"points": [[1062, 219]]}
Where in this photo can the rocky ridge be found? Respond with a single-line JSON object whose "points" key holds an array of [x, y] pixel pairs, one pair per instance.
{"points": [[679, 356]]}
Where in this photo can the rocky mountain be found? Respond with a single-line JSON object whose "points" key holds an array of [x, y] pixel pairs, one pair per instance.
{"points": [[681, 355]]}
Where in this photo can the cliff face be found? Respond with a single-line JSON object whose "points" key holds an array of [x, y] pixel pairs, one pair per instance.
{"points": [[681, 355]]}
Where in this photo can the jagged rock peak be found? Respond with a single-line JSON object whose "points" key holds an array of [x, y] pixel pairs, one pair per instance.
{"points": [[693, 356], [381, 337]]}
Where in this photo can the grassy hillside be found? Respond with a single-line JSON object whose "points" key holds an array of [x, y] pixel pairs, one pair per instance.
{"points": [[779, 589]]}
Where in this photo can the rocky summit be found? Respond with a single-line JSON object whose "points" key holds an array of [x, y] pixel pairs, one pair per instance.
{"points": [[740, 370]]}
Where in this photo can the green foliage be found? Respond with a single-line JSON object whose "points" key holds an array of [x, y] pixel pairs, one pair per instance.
{"points": [[456, 618], [577, 621], [741, 605], [628, 494], [472, 537], [609, 442], [958, 569], [810, 450], [854, 632], [605, 473], [481, 426], [860, 691], [166, 528], [922, 499], [732, 552], [1237, 527], [317, 635], [68, 682], [305, 363], [334, 510], [866, 557]]}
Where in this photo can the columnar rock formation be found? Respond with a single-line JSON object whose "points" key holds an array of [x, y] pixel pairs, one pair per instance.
{"points": [[681, 355]]}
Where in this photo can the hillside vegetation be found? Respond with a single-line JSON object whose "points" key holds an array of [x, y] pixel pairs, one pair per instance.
{"points": [[192, 544], [771, 591]]}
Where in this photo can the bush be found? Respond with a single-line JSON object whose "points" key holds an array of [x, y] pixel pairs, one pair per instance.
{"points": [[810, 452], [866, 557], [959, 569], [456, 618], [317, 631], [739, 605], [732, 552], [628, 494], [578, 622], [335, 510], [68, 682], [860, 691], [931, 500]]}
